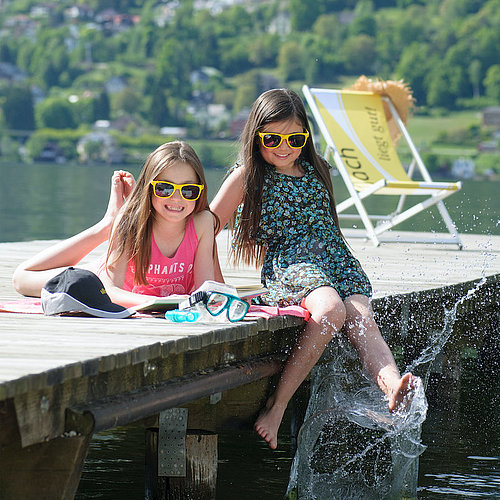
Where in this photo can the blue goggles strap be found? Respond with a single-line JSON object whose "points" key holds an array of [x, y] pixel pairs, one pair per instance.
{"points": [[198, 297]]}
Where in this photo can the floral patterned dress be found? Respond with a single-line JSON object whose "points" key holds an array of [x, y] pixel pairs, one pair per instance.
{"points": [[304, 247]]}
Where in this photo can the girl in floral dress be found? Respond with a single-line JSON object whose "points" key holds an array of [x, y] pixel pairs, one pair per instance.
{"points": [[279, 200]]}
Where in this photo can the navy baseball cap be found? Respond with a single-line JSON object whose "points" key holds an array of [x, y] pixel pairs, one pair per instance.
{"points": [[79, 290]]}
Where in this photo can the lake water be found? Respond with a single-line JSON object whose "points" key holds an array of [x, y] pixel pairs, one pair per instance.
{"points": [[462, 429], [49, 201]]}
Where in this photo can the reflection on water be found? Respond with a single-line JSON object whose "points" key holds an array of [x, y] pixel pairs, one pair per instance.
{"points": [[463, 455], [247, 470]]}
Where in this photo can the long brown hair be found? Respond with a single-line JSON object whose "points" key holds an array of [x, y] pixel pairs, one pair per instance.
{"points": [[272, 106], [133, 226]]}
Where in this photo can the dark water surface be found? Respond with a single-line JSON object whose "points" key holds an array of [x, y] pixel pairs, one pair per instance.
{"points": [[462, 430], [462, 460]]}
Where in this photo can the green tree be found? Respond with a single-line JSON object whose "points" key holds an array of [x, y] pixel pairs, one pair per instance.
{"points": [[158, 113], [127, 101], [49, 76], [173, 68], [234, 22], [55, 112], [207, 41], [363, 25], [488, 164], [290, 61], [93, 150], [245, 95], [492, 82], [475, 71], [235, 55], [263, 50], [328, 27], [35, 144], [5, 52], [439, 93], [18, 109], [414, 67], [83, 110], [358, 55], [303, 14], [25, 54], [101, 106]]}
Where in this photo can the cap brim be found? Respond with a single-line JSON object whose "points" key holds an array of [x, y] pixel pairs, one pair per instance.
{"points": [[60, 302]]}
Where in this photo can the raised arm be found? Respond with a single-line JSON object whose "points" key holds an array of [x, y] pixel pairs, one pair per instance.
{"points": [[230, 195]]}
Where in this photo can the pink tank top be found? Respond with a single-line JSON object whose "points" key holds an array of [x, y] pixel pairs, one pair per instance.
{"points": [[168, 275]]}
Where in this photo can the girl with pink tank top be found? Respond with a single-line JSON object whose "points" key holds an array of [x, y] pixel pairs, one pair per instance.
{"points": [[167, 275], [165, 213]]}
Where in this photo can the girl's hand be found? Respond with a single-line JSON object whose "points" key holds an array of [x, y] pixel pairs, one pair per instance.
{"points": [[127, 182]]}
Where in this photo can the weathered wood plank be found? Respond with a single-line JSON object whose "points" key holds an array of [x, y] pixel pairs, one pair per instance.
{"points": [[70, 359]]}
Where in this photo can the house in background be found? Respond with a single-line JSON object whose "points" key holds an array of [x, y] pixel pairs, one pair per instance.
{"points": [[100, 147]]}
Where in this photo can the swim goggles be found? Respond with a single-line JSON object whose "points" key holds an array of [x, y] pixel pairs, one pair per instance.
{"points": [[164, 189], [273, 140], [217, 302]]}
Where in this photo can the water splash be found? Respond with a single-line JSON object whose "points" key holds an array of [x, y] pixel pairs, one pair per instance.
{"points": [[350, 446], [438, 340]]}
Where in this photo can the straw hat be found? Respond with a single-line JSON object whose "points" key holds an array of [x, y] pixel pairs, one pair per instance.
{"points": [[398, 92]]}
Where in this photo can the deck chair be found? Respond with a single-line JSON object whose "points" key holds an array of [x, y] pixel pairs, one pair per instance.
{"points": [[354, 127]]}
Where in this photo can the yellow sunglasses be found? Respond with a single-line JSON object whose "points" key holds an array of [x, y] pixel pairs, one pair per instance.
{"points": [[272, 140], [164, 189]]}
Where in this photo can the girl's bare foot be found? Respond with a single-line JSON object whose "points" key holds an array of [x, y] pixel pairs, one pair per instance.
{"points": [[268, 423], [403, 394]]}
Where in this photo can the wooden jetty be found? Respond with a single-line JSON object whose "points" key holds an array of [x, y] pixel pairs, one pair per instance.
{"points": [[62, 379]]}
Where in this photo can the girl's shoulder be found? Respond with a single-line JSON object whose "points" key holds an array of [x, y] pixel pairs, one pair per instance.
{"points": [[203, 221], [321, 164], [237, 174], [237, 168]]}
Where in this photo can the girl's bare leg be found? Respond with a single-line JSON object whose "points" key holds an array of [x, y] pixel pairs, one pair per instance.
{"points": [[31, 275], [327, 317], [375, 355]]}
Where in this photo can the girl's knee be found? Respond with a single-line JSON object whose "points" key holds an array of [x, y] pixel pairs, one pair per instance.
{"points": [[337, 312], [360, 316], [325, 305]]}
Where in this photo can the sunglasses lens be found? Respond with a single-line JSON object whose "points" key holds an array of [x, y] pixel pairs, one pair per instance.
{"points": [[190, 192], [297, 141], [271, 140], [237, 310], [164, 189], [216, 303]]}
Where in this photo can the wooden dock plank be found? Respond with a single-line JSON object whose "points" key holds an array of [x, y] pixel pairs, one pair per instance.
{"points": [[394, 269], [37, 352]]}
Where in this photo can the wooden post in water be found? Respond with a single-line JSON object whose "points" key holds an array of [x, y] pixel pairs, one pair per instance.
{"points": [[201, 469], [49, 469]]}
